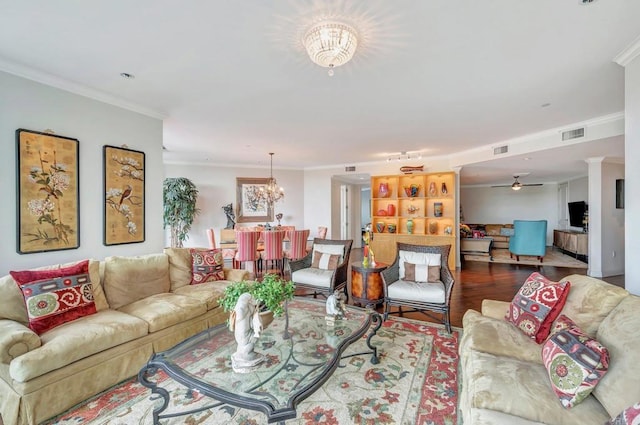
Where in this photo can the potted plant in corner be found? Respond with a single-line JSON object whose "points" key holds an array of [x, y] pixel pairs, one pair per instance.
{"points": [[179, 201], [271, 293]]}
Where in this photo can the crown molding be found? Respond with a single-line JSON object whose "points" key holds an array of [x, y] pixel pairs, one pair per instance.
{"points": [[626, 56], [79, 89]]}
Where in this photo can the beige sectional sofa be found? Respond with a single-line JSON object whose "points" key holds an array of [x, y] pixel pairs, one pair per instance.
{"points": [[505, 381], [497, 232], [144, 304]]}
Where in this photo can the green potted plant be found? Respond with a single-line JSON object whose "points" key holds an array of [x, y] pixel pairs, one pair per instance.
{"points": [[179, 201], [271, 293]]}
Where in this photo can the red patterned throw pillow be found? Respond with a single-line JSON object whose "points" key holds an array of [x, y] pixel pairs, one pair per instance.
{"points": [[536, 305], [575, 363], [57, 296], [629, 416], [208, 265]]}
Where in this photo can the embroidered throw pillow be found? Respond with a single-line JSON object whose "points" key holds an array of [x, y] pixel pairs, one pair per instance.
{"points": [[421, 272], [575, 363], [56, 296], [325, 261], [536, 305], [207, 265], [629, 416]]}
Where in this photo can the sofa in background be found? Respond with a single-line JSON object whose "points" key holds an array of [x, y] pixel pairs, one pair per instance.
{"points": [[505, 380], [144, 304], [500, 233]]}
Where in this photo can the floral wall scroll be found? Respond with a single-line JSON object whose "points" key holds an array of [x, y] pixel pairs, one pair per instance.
{"points": [[252, 208], [123, 195], [48, 193]]}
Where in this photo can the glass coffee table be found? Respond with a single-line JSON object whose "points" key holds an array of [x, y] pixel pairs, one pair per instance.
{"points": [[301, 349]]}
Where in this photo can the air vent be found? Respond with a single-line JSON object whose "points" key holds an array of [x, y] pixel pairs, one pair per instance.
{"points": [[573, 134], [350, 168], [500, 150]]}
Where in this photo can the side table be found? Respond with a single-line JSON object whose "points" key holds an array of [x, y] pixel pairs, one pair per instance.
{"points": [[366, 284]]}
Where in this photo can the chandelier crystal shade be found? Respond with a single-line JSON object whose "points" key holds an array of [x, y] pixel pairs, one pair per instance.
{"points": [[330, 44], [269, 193]]}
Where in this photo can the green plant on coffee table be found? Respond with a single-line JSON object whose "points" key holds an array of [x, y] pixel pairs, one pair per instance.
{"points": [[271, 292]]}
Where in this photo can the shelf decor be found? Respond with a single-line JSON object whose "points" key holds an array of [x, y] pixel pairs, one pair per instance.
{"points": [[437, 209], [48, 192]]}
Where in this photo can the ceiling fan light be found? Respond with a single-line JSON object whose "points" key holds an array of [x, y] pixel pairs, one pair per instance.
{"points": [[516, 185]]}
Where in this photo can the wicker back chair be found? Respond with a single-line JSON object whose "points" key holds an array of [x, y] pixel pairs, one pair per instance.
{"points": [[422, 297]]}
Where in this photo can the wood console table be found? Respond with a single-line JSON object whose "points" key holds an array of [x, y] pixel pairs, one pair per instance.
{"points": [[574, 242], [366, 284]]}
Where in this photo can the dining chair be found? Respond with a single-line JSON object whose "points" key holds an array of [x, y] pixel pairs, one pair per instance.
{"points": [[227, 253], [297, 245], [324, 269], [322, 232], [247, 249], [420, 279], [273, 249]]}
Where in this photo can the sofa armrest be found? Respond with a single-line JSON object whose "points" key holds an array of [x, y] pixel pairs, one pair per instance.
{"points": [[15, 340], [494, 308], [236, 275]]}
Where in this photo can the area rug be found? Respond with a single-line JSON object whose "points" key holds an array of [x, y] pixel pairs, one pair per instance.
{"points": [[416, 382], [551, 258]]}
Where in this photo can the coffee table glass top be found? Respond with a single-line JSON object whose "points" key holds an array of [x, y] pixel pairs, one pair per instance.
{"points": [[293, 369]]}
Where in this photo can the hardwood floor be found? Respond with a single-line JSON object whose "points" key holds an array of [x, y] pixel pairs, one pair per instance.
{"points": [[476, 281]]}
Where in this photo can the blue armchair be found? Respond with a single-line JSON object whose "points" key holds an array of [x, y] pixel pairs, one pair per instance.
{"points": [[530, 238]]}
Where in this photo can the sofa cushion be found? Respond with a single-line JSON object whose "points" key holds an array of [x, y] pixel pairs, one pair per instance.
{"points": [[507, 231], [575, 362], [12, 305], [207, 265], [536, 305], [590, 300], [629, 416], [57, 296], [325, 261], [421, 272], [619, 333], [76, 340], [521, 388], [180, 267], [496, 336], [129, 279], [208, 292], [165, 309], [492, 229]]}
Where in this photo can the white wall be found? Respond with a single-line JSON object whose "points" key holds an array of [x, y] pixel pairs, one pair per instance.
{"points": [[632, 175], [34, 106], [217, 187], [501, 205]]}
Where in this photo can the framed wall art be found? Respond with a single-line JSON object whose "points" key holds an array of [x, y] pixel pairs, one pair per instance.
{"points": [[124, 173], [48, 192], [251, 206]]}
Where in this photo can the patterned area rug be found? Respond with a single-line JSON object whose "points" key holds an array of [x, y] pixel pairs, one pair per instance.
{"points": [[551, 258], [416, 382]]}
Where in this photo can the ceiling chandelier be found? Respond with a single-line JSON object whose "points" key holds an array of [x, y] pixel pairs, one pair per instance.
{"points": [[269, 193], [330, 44]]}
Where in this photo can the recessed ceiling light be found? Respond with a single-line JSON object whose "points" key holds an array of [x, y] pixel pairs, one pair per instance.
{"points": [[544, 105], [127, 75]]}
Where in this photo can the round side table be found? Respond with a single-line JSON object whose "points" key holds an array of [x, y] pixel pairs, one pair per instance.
{"points": [[366, 284]]}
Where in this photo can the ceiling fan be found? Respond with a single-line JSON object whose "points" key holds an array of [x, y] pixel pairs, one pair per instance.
{"points": [[516, 185]]}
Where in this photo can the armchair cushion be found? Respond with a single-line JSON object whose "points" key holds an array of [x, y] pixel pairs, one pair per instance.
{"points": [[325, 261], [330, 249], [313, 276], [413, 257], [426, 292]]}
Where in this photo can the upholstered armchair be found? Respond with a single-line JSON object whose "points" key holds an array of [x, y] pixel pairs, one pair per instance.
{"points": [[530, 238], [324, 268], [420, 279]]}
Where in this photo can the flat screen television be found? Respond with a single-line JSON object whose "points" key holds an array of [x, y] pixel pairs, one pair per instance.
{"points": [[576, 213]]}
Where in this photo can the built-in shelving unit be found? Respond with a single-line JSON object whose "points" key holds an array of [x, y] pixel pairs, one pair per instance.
{"points": [[413, 208]]}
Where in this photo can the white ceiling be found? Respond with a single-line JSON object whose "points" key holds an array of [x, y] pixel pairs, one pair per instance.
{"points": [[232, 81]]}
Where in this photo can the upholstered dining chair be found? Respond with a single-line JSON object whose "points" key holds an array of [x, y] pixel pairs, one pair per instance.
{"points": [[297, 245], [529, 238], [420, 279], [322, 232], [273, 251], [247, 242], [324, 269]]}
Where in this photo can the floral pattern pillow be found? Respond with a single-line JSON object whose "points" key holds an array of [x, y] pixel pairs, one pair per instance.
{"points": [[208, 265], [630, 416], [575, 363], [536, 306]]}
